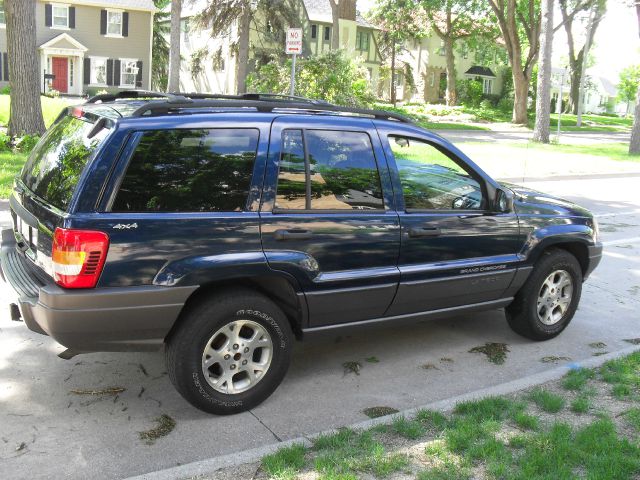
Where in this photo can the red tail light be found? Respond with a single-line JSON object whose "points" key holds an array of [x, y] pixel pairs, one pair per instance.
{"points": [[78, 257]]}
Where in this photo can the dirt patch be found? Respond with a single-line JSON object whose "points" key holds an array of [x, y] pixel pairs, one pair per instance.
{"points": [[352, 367], [104, 391], [495, 352], [375, 412], [165, 425], [554, 359], [633, 341], [429, 366], [597, 345]]}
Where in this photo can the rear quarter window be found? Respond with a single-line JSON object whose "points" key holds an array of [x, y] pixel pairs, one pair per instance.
{"points": [[199, 170], [54, 167]]}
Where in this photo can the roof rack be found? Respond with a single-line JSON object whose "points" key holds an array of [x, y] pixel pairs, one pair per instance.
{"points": [[262, 102]]}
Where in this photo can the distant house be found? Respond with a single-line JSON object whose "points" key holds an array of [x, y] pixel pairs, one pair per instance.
{"points": [[217, 72], [600, 95], [424, 59], [90, 45]]}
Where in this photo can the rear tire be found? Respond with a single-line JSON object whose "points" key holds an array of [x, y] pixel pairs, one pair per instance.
{"points": [[548, 300], [230, 352]]}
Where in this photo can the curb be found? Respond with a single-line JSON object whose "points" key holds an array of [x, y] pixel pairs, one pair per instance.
{"points": [[211, 465]]}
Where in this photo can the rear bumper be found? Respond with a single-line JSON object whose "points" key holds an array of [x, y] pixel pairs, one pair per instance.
{"points": [[100, 319], [595, 255]]}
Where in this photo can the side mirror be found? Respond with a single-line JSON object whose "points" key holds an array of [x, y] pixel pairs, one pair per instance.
{"points": [[504, 201]]}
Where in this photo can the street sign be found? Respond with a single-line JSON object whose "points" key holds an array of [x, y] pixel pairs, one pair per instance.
{"points": [[294, 41]]}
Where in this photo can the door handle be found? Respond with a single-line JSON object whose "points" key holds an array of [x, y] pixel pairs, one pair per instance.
{"points": [[424, 232], [293, 234]]}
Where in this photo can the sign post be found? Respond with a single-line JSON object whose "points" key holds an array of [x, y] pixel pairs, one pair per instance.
{"points": [[293, 47]]}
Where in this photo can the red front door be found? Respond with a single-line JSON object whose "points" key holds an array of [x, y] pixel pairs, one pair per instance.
{"points": [[60, 67]]}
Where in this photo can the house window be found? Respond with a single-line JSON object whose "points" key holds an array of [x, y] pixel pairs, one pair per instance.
{"points": [[114, 23], [128, 72], [98, 71], [432, 79], [487, 85], [185, 29], [314, 31], [465, 51], [327, 34], [362, 41], [398, 79], [2, 19], [60, 16], [441, 48]]}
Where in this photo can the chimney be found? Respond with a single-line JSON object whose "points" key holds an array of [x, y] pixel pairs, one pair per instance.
{"points": [[347, 9]]}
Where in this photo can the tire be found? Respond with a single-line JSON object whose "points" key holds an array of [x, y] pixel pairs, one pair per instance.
{"points": [[525, 315], [222, 324]]}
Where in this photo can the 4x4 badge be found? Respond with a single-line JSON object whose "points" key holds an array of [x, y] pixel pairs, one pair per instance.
{"points": [[125, 226]]}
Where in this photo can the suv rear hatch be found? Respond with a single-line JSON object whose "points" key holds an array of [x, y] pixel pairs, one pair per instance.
{"points": [[44, 191]]}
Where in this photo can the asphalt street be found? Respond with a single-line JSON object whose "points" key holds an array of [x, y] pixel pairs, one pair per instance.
{"points": [[46, 431]]}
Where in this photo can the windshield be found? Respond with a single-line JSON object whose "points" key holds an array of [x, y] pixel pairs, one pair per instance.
{"points": [[55, 165]]}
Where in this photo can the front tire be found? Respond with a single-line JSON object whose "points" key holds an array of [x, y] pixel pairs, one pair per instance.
{"points": [[548, 300], [230, 352]]}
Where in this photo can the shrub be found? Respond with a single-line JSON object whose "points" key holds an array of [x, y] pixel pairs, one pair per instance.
{"points": [[26, 143], [5, 142], [52, 93], [331, 76], [5, 90], [505, 104], [470, 92]]}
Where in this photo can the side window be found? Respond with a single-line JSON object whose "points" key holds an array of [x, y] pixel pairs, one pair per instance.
{"points": [[189, 171], [337, 171], [431, 180]]}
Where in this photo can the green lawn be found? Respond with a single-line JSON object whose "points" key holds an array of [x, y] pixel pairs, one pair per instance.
{"points": [[10, 166], [527, 436], [612, 151], [51, 108]]}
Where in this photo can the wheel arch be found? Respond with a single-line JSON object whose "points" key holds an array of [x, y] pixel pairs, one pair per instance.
{"points": [[281, 290]]}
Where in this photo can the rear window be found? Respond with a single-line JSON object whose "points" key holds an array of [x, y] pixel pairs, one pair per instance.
{"points": [[203, 170], [55, 165]]}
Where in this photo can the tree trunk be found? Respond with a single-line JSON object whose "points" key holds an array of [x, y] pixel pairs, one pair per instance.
{"points": [[574, 91], [393, 73], [543, 97], [587, 45], [520, 97], [174, 47], [25, 112], [242, 65], [451, 95], [634, 144], [335, 27]]}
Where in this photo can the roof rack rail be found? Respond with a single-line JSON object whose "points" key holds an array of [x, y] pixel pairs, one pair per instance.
{"points": [[134, 94], [237, 101]]}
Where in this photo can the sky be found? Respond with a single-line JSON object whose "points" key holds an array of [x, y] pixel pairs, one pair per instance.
{"points": [[617, 44]]}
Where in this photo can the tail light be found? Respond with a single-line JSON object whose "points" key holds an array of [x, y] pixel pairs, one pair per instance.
{"points": [[78, 257]]}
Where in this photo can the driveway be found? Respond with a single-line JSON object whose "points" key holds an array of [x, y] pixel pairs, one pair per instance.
{"points": [[50, 432]]}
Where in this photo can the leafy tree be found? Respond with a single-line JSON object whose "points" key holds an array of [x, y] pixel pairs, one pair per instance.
{"points": [[629, 82], [400, 20], [25, 115], [160, 49], [572, 10], [221, 15], [454, 20], [331, 76], [174, 47], [543, 89], [519, 25]]}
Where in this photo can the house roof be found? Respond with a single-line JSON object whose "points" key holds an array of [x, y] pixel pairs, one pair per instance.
{"points": [[608, 87], [146, 5], [320, 11], [478, 70], [64, 40]]}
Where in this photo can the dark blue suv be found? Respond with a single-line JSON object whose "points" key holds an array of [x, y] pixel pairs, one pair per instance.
{"points": [[221, 227]]}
